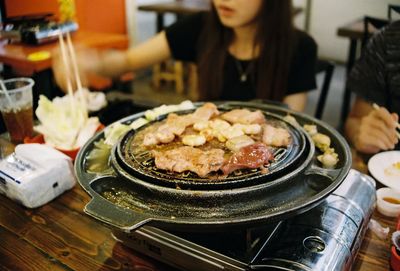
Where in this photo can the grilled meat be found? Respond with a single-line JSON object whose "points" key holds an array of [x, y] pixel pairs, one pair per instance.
{"points": [[252, 156], [244, 116], [190, 159]]}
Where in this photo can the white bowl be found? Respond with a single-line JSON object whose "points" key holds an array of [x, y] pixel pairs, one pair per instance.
{"points": [[385, 207]]}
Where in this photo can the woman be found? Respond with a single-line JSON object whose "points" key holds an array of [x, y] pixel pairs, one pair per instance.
{"points": [[244, 50]]}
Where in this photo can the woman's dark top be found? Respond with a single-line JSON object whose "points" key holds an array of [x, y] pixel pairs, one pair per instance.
{"points": [[182, 38], [376, 75]]}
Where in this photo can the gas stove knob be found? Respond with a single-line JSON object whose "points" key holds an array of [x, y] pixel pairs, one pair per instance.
{"points": [[314, 244]]}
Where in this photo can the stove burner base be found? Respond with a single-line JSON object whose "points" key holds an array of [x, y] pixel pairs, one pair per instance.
{"points": [[332, 230]]}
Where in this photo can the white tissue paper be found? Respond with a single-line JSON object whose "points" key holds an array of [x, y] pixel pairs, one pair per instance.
{"points": [[377, 228], [35, 174]]}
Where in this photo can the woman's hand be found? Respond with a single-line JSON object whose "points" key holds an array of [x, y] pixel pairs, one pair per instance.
{"points": [[88, 60], [372, 130], [113, 63], [296, 102]]}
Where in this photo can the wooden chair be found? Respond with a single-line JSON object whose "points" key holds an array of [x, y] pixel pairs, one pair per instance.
{"points": [[193, 82], [170, 71]]}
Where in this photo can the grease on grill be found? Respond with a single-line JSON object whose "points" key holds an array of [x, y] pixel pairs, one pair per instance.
{"points": [[140, 158], [120, 198], [124, 199], [145, 159]]}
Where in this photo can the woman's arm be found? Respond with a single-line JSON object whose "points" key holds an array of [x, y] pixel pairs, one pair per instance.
{"points": [[371, 130], [296, 101], [155, 50], [114, 63]]}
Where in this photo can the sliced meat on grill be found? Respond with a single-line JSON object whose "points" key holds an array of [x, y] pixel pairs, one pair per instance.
{"points": [[204, 113], [276, 137], [150, 139], [176, 125], [244, 116], [190, 159], [231, 132], [236, 143], [163, 134], [252, 156], [249, 129]]}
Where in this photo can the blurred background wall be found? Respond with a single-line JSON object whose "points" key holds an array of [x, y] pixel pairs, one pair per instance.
{"points": [[328, 15]]}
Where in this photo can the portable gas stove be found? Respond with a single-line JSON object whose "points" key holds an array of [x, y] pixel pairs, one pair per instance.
{"points": [[296, 216], [325, 238]]}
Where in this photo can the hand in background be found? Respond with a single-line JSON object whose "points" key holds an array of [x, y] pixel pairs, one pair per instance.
{"points": [[377, 131], [88, 61], [110, 63]]}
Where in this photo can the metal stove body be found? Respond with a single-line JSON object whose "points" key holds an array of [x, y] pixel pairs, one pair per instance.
{"points": [[326, 237], [289, 219]]}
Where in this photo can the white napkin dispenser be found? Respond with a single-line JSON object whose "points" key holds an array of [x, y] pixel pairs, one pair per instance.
{"points": [[35, 174]]}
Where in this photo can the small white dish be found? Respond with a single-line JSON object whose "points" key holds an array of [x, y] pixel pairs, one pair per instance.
{"points": [[388, 201], [381, 167]]}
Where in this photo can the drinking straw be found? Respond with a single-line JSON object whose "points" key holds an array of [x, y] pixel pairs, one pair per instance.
{"points": [[4, 89]]}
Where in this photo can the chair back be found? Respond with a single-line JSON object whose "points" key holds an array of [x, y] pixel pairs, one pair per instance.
{"points": [[393, 8], [372, 24]]}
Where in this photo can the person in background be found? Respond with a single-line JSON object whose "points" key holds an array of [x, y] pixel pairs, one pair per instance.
{"points": [[243, 50], [375, 79]]}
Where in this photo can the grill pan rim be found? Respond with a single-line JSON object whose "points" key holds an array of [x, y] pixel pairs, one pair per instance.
{"points": [[104, 213], [235, 190], [118, 157]]}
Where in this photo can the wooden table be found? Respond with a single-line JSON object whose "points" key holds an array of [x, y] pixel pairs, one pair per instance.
{"points": [[374, 254], [60, 236], [16, 54]]}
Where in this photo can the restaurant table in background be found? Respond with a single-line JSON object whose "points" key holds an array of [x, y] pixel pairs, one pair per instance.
{"points": [[60, 236], [16, 60], [16, 54], [354, 31], [181, 8]]}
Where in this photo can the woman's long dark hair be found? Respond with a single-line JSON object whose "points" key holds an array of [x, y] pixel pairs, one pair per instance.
{"points": [[274, 39]]}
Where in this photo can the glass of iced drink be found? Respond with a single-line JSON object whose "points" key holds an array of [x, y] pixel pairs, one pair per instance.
{"points": [[16, 108]]}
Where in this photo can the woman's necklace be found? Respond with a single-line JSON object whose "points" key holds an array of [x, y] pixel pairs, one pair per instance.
{"points": [[243, 73]]}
